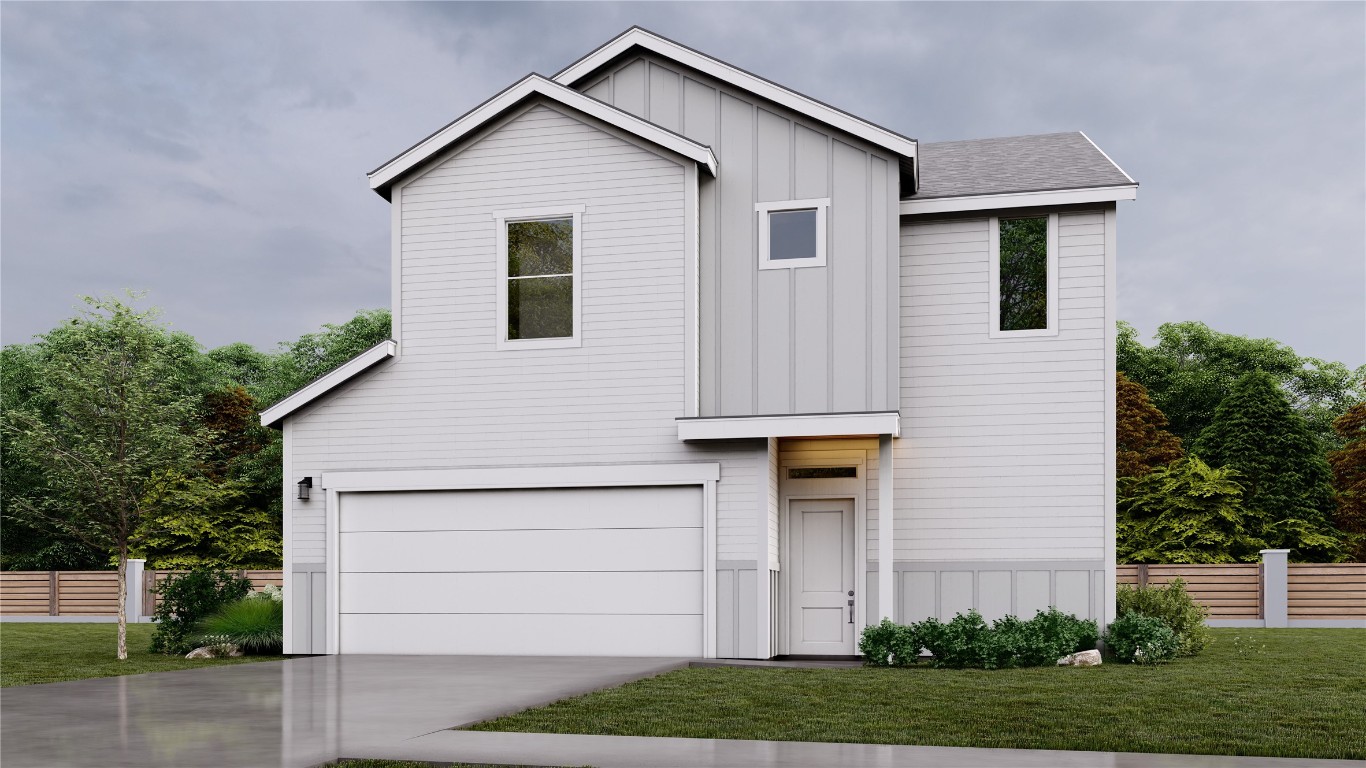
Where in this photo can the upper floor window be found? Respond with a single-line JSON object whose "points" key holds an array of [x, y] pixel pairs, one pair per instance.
{"points": [[539, 280], [792, 234], [1024, 276]]}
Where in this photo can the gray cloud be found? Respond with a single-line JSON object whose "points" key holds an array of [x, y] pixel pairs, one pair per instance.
{"points": [[215, 153]]}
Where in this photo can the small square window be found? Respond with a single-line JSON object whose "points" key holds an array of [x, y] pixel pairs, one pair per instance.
{"points": [[792, 234], [539, 284], [1024, 276]]}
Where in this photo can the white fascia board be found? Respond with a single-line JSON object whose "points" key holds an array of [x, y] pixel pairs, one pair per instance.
{"points": [[275, 414], [804, 425], [1020, 200], [805, 105], [558, 476], [527, 86]]}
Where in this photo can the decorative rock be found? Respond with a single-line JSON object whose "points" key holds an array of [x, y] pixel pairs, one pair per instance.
{"points": [[214, 652], [1081, 659]]}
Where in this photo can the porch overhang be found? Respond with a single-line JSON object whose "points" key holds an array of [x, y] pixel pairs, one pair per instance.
{"points": [[856, 424]]}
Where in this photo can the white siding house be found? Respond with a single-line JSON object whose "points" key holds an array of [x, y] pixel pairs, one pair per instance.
{"points": [[669, 339]]}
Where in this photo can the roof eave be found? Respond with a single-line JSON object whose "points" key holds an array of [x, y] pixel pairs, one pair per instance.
{"points": [[1074, 196], [275, 415]]}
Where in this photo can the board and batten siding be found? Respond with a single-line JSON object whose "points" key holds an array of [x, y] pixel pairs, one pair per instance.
{"points": [[452, 399], [806, 340], [1002, 455]]}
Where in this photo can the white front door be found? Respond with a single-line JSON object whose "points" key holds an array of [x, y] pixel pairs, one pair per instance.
{"points": [[821, 583]]}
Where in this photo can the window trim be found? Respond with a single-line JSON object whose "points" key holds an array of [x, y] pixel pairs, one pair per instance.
{"points": [[762, 210], [994, 281], [501, 220]]}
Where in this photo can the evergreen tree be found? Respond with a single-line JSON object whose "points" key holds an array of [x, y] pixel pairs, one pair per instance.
{"points": [[1142, 442], [1285, 479], [1185, 512], [1349, 480]]}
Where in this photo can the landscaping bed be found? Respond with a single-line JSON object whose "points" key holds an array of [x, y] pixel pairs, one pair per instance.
{"points": [[42, 652], [1270, 692]]}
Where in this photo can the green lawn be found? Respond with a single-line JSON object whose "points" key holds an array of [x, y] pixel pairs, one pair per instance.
{"points": [[1295, 693], [48, 653]]}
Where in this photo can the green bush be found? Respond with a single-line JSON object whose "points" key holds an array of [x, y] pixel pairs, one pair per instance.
{"points": [[1141, 639], [968, 641], [254, 625], [1176, 609], [188, 598], [889, 645]]}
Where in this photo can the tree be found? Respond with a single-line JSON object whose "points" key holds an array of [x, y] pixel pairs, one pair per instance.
{"points": [[1184, 512], [315, 354], [1349, 480], [1191, 367], [1285, 478], [1142, 442], [118, 434]]}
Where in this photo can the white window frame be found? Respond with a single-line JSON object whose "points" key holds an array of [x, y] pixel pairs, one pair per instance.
{"points": [[501, 220], [822, 207], [994, 281]]}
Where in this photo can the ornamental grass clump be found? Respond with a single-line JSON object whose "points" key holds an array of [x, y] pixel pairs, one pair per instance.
{"points": [[255, 625]]}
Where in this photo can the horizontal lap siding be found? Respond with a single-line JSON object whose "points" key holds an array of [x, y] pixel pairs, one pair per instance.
{"points": [[1001, 455], [453, 400]]}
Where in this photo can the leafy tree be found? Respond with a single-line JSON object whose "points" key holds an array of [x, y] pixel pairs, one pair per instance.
{"points": [[1349, 480], [315, 354], [1285, 478], [119, 434], [1191, 367], [1185, 512], [1142, 442]]}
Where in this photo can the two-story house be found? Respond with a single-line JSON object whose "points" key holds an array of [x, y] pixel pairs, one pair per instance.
{"points": [[685, 363]]}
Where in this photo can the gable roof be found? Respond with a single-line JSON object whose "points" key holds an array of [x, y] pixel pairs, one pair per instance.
{"points": [[274, 415], [384, 177], [1014, 165], [638, 37]]}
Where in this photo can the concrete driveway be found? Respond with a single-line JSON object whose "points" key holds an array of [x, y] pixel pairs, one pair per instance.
{"points": [[299, 712]]}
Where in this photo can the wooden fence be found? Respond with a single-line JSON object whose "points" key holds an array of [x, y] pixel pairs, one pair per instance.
{"points": [[88, 593], [1231, 591], [1336, 591], [1237, 592]]}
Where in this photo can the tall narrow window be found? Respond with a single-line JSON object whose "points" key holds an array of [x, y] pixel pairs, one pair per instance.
{"points": [[1024, 276], [538, 259]]}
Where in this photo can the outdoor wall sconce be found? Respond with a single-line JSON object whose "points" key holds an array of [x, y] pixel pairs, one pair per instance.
{"points": [[304, 486]]}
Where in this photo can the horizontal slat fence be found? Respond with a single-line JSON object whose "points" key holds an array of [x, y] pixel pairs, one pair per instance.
{"points": [[88, 593], [1230, 591], [1330, 591]]}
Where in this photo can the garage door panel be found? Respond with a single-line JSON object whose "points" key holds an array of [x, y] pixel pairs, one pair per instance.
{"points": [[522, 634], [637, 593], [650, 507], [656, 549]]}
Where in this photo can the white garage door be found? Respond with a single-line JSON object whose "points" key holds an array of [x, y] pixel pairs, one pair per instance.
{"points": [[565, 571]]}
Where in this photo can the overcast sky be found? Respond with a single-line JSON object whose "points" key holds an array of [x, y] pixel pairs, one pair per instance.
{"points": [[215, 154]]}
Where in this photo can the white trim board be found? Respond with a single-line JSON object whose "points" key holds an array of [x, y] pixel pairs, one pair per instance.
{"points": [[1019, 200], [382, 177], [803, 425], [805, 105], [560, 476], [382, 351]]}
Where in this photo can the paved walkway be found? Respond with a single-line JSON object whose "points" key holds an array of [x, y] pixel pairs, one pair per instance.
{"points": [[304, 712]]}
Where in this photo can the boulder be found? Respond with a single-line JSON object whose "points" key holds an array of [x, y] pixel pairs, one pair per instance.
{"points": [[214, 652], [1081, 659]]}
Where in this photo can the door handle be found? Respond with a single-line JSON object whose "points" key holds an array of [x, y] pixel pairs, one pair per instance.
{"points": [[851, 610]]}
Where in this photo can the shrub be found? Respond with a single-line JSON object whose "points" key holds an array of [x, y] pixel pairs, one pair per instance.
{"points": [[889, 645], [1141, 639], [1175, 608], [253, 624], [186, 600], [967, 641], [962, 642]]}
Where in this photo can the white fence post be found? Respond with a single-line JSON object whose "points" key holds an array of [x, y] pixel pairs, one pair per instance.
{"points": [[133, 583], [1275, 589]]}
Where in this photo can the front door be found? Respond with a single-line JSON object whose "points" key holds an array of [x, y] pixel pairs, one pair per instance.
{"points": [[821, 581]]}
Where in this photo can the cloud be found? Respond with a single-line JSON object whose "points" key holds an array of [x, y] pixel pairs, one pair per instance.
{"points": [[215, 153]]}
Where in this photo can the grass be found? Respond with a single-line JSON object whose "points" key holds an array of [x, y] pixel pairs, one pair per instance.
{"points": [[1268, 692], [49, 653]]}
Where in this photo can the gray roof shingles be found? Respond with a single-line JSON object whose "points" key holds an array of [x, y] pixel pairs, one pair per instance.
{"points": [[1015, 164]]}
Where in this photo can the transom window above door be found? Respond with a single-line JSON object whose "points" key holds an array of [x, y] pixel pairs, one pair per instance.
{"points": [[539, 280], [792, 233]]}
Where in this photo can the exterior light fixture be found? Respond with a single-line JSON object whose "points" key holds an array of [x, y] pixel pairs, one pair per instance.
{"points": [[304, 486]]}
